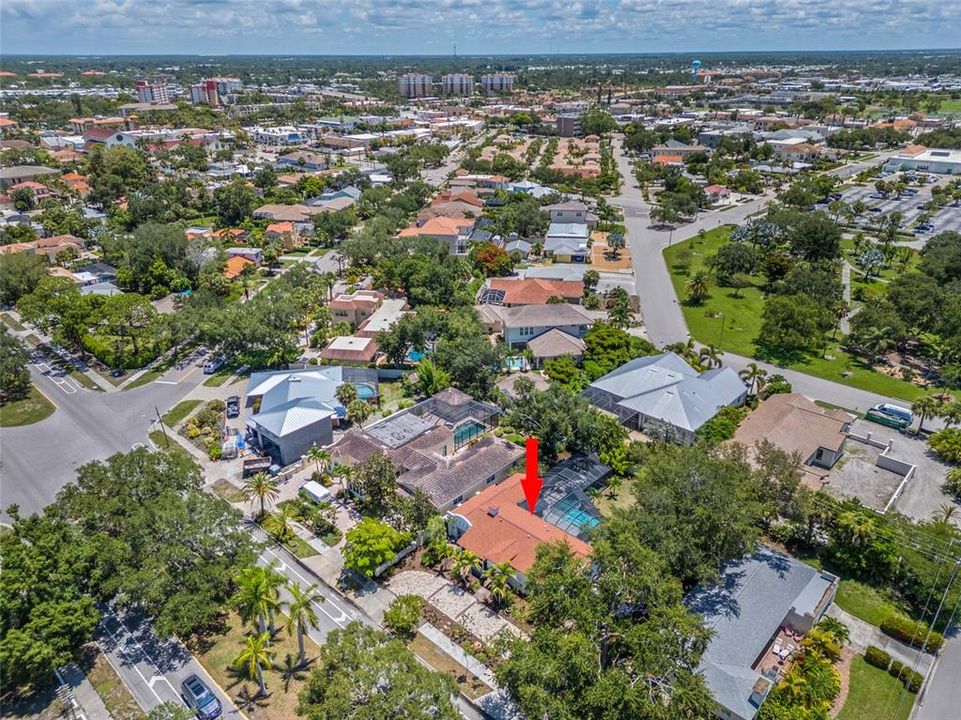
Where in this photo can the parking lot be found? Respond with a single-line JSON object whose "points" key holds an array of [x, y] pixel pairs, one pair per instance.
{"points": [[947, 218]]}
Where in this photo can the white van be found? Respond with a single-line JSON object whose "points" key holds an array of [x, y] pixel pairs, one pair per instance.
{"points": [[315, 492], [213, 365]]}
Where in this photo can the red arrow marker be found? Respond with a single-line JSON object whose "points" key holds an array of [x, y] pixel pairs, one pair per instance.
{"points": [[531, 483]]}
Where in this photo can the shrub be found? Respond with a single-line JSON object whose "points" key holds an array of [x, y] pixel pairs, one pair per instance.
{"points": [[896, 670], [912, 680], [947, 444], [877, 657], [403, 615], [911, 632]]}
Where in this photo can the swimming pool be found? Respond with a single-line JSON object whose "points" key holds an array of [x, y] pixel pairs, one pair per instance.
{"points": [[515, 363], [415, 356], [568, 515], [365, 392], [465, 433]]}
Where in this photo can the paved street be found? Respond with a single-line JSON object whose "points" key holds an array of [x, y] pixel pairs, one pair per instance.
{"points": [[941, 697], [152, 669], [38, 460]]}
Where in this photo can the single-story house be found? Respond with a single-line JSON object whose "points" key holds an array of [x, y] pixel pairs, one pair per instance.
{"points": [[663, 396], [554, 344], [747, 610], [511, 292], [797, 425], [717, 193], [236, 266], [507, 384], [567, 242], [284, 213], [496, 524], [350, 350]]}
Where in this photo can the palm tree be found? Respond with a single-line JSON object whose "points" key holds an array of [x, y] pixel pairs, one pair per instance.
{"points": [[274, 581], [613, 485], [498, 576], [321, 458], [346, 394], [710, 356], [945, 513], [301, 614], [754, 375], [253, 596], [254, 657], [925, 407], [263, 487], [358, 411], [464, 562], [281, 523], [951, 413], [793, 685], [698, 287], [835, 628]]}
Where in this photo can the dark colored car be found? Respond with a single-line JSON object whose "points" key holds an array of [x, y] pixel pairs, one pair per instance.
{"points": [[233, 406], [199, 697]]}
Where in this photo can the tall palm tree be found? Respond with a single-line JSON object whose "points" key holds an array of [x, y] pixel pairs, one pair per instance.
{"points": [[274, 581], [925, 407], [301, 614], [263, 487], [254, 657], [710, 356], [253, 597], [498, 576], [754, 375], [321, 458], [951, 413]]}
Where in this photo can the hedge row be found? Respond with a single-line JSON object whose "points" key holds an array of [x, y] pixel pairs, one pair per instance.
{"points": [[911, 632], [877, 657]]}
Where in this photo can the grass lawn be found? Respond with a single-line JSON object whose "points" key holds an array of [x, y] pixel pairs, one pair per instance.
{"points": [[84, 380], [427, 651], [865, 602], [178, 412], [606, 506], [115, 695], [733, 324], [391, 393], [11, 321], [175, 448], [218, 650], [227, 490], [950, 106], [874, 694], [32, 409], [218, 378], [297, 545], [145, 379]]}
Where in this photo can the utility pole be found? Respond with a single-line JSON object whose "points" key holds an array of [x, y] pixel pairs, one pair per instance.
{"points": [[162, 429]]}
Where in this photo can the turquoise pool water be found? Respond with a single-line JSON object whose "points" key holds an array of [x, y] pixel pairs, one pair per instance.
{"points": [[571, 516], [365, 392], [515, 363], [415, 356], [465, 433]]}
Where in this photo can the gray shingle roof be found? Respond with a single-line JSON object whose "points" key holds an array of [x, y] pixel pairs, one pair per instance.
{"points": [[744, 609]]}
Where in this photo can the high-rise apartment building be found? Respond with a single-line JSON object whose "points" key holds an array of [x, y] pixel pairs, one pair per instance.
{"points": [[457, 84], [153, 92], [414, 85], [497, 83]]}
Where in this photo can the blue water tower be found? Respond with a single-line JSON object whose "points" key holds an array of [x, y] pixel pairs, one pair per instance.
{"points": [[696, 67]]}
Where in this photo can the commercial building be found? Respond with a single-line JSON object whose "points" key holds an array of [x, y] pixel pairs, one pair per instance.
{"points": [[569, 125], [415, 85], [214, 91], [758, 612], [932, 160], [497, 83], [664, 397], [457, 84]]}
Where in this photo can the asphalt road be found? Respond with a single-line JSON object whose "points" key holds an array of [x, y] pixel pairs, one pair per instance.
{"points": [[37, 460], [152, 669]]}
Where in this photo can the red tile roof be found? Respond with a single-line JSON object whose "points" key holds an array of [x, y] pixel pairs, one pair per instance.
{"points": [[502, 531], [536, 291]]}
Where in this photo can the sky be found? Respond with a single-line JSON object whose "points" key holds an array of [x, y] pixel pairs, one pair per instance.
{"points": [[478, 27]]}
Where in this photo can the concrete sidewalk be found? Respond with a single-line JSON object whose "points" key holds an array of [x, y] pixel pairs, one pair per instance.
{"points": [[83, 693]]}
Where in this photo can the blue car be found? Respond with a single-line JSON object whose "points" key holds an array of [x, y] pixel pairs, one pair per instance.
{"points": [[199, 697]]}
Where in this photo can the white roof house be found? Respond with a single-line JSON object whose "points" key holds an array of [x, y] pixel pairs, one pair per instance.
{"points": [[664, 396]]}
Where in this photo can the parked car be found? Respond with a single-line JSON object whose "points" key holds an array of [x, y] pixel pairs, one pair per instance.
{"points": [[199, 697], [233, 406], [213, 365]]}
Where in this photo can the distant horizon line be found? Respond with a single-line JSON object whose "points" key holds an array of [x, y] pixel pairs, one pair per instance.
{"points": [[79, 55]]}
